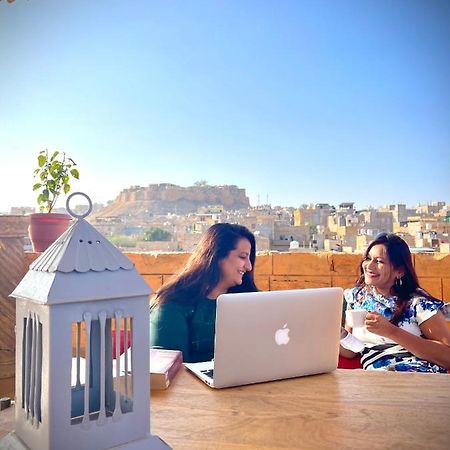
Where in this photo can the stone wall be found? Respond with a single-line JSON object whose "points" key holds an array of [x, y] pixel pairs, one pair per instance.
{"points": [[297, 270], [302, 270]]}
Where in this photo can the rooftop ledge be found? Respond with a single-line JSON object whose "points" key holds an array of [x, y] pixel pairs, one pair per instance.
{"points": [[293, 270]]}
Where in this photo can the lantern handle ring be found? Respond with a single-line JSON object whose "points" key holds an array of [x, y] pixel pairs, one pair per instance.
{"points": [[72, 213]]}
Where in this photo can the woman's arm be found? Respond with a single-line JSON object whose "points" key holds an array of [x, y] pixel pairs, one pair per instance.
{"points": [[169, 329], [435, 347]]}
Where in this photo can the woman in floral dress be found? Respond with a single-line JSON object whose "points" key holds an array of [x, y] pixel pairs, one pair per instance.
{"points": [[405, 328]]}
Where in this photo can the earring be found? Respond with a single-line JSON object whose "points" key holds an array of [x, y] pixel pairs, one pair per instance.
{"points": [[399, 282]]}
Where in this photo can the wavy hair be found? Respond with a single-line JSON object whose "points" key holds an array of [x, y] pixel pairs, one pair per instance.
{"points": [[400, 258], [202, 271]]}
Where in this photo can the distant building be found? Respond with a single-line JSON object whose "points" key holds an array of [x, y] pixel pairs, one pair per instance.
{"points": [[399, 212], [22, 210], [313, 215], [362, 241], [377, 220], [431, 208], [346, 206]]}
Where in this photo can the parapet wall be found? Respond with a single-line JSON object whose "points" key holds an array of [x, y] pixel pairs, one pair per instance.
{"points": [[275, 270]]}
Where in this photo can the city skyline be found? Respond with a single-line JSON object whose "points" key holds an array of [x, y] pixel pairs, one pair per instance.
{"points": [[303, 102], [61, 202]]}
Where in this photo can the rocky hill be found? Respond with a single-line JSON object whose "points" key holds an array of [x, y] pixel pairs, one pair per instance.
{"points": [[166, 198]]}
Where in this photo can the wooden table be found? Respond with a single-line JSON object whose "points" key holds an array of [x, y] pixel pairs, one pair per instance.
{"points": [[346, 409]]}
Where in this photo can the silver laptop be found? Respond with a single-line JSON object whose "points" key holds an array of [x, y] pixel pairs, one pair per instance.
{"points": [[264, 336]]}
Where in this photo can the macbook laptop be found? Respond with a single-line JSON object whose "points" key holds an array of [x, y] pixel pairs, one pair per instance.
{"points": [[264, 336]]}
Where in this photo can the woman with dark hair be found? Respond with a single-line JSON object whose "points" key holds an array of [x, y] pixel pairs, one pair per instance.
{"points": [[404, 328], [183, 314]]}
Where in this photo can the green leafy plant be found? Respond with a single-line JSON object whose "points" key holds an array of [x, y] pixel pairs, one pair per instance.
{"points": [[123, 241], [54, 173], [156, 234]]}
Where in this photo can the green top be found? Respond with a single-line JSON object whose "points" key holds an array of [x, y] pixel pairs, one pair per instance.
{"points": [[187, 327]]}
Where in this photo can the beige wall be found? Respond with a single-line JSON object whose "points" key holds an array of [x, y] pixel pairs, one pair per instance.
{"points": [[297, 270], [301, 270]]}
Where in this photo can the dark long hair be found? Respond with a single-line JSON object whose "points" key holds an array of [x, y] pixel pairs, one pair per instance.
{"points": [[202, 272], [400, 258]]}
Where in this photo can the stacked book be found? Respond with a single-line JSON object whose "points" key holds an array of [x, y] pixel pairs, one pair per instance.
{"points": [[164, 365]]}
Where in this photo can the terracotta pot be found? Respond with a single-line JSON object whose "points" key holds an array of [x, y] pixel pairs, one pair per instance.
{"points": [[45, 228]]}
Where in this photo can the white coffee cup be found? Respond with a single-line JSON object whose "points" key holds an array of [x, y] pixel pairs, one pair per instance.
{"points": [[355, 318]]}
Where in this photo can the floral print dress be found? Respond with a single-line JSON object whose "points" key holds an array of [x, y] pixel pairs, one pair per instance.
{"points": [[381, 353]]}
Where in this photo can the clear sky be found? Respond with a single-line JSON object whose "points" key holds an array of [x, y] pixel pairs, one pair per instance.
{"points": [[295, 101]]}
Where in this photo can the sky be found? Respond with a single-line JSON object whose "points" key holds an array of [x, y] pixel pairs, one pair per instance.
{"points": [[321, 101]]}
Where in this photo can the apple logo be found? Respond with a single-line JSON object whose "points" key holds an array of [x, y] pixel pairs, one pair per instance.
{"points": [[282, 335]]}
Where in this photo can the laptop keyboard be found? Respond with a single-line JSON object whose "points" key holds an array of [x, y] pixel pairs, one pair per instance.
{"points": [[209, 373]]}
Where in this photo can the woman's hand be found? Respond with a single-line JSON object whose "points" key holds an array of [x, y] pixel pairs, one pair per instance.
{"points": [[378, 324], [434, 346]]}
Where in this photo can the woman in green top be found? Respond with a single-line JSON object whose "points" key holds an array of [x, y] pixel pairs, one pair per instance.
{"points": [[184, 312]]}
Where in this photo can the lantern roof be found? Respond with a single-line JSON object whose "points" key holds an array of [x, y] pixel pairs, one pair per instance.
{"points": [[80, 249], [81, 265]]}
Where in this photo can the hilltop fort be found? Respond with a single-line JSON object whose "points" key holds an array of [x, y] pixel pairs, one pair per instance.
{"points": [[164, 198]]}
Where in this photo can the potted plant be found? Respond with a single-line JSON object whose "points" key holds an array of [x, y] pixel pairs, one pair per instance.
{"points": [[54, 174]]}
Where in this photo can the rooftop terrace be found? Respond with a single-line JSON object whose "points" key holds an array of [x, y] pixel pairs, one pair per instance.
{"points": [[273, 271]]}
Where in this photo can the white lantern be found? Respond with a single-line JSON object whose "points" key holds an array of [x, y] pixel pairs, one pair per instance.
{"points": [[67, 398]]}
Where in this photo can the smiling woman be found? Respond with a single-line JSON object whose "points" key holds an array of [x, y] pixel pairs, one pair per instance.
{"points": [[183, 314], [404, 328]]}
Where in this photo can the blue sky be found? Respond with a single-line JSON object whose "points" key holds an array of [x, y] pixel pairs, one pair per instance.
{"points": [[295, 101]]}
